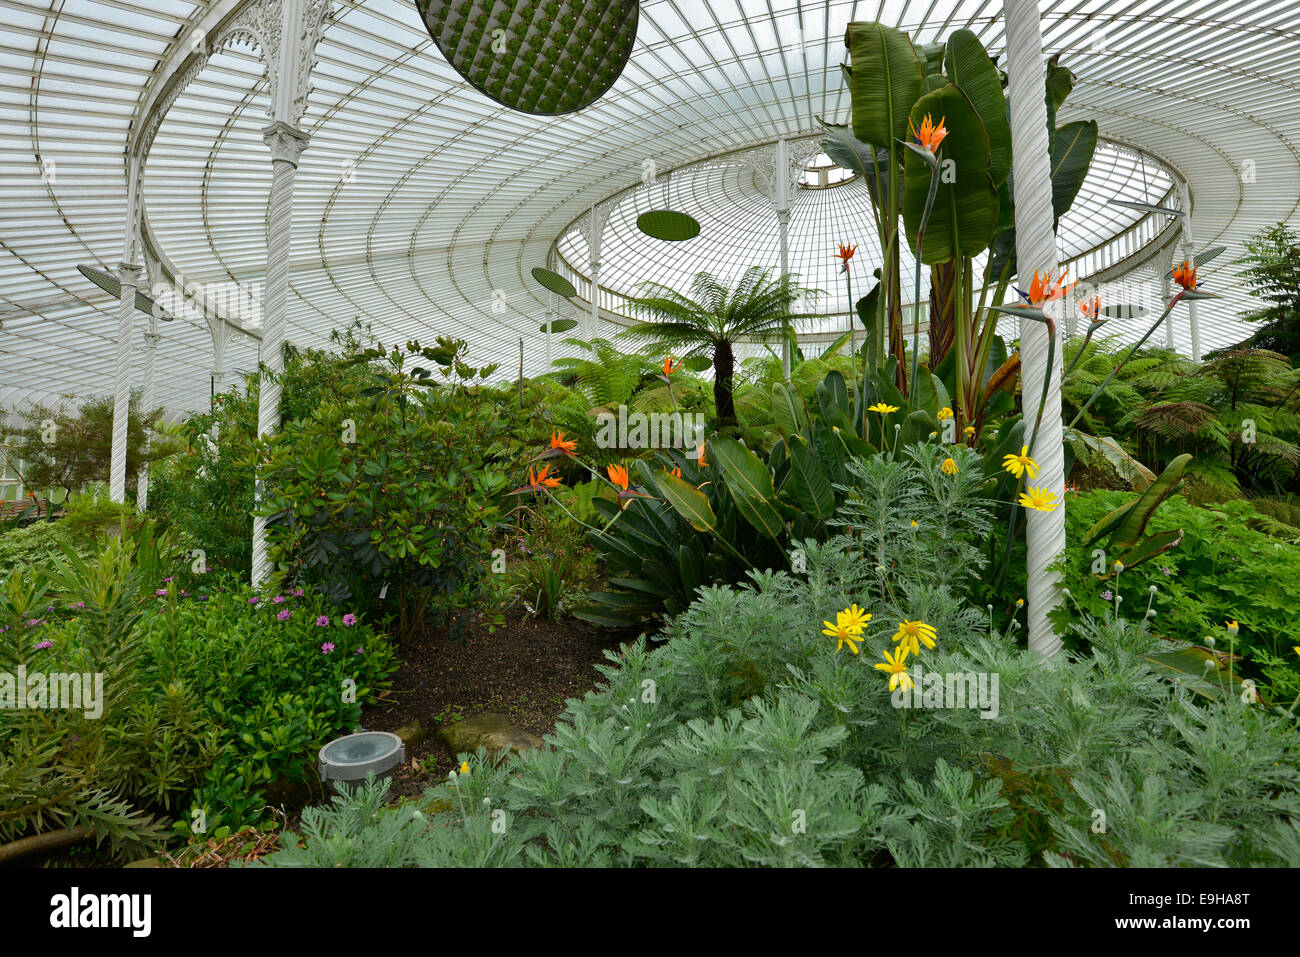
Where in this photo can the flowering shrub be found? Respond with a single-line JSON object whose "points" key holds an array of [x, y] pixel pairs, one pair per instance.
{"points": [[212, 693]]}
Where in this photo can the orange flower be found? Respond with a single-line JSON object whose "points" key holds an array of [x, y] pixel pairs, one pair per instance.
{"points": [[538, 481], [845, 254], [1043, 289], [618, 475], [700, 458], [929, 136], [1091, 310], [670, 367], [562, 446], [1185, 275], [675, 473]]}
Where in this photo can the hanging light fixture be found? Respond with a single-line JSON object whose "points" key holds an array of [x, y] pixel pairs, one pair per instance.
{"points": [[541, 58], [668, 224], [1143, 206]]}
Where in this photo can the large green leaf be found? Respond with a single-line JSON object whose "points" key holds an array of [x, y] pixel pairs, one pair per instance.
{"points": [[886, 81], [788, 410], [1131, 529], [833, 389], [964, 217], [849, 152], [1152, 546], [1072, 147], [1108, 523], [1129, 468], [1060, 82], [809, 485], [1186, 666], [969, 66], [689, 502], [750, 484]]}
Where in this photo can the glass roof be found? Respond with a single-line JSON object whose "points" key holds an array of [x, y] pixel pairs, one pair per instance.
{"points": [[419, 198], [739, 229]]}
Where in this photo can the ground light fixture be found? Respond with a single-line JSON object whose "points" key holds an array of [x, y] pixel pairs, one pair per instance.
{"points": [[347, 760]]}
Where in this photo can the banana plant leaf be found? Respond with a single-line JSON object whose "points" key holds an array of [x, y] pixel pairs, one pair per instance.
{"points": [[965, 212], [969, 67], [885, 83]]}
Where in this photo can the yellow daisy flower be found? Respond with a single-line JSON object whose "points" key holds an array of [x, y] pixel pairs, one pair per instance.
{"points": [[944, 414], [854, 617], [894, 666], [843, 634], [1040, 499], [882, 408], [913, 634], [1018, 465], [949, 466]]}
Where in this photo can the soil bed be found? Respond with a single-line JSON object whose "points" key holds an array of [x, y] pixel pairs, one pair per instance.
{"points": [[525, 670]]}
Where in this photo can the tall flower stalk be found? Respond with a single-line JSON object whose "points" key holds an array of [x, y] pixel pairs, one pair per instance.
{"points": [[846, 253], [926, 146]]}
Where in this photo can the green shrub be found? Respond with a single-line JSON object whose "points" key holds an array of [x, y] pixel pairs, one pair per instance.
{"points": [[205, 492], [1223, 570], [38, 545], [207, 697], [390, 490]]}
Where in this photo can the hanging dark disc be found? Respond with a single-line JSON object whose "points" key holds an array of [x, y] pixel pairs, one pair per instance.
{"points": [[554, 282], [561, 325], [110, 285], [668, 224], [544, 57]]}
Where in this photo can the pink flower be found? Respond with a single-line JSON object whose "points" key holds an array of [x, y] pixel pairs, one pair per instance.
{"points": [[322, 621], [327, 647], [349, 619], [1107, 594], [253, 600], [161, 592], [284, 615], [278, 599], [359, 651], [297, 593], [44, 644]]}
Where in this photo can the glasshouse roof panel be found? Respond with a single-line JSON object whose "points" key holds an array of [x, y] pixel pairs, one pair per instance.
{"points": [[421, 205]]}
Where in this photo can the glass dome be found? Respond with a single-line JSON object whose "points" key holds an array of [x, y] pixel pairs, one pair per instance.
{"points": [[421, 206]]}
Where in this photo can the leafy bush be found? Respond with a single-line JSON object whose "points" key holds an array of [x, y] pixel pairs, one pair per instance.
{"points": [[37, 545], [390, 487], [1224, 570], [205, 493], [210, 691]]}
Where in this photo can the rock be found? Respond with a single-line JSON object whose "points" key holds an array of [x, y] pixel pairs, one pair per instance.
{"points": [[412, 733], [492, 731]]}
